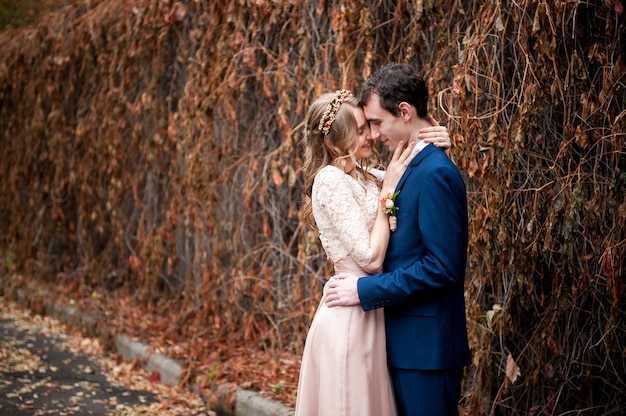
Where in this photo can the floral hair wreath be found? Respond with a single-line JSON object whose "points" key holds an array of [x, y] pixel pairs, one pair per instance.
{"points": [[331, 110]]}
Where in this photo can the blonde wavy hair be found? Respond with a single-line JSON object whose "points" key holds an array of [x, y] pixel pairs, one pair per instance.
{"points": [[321, 150]]}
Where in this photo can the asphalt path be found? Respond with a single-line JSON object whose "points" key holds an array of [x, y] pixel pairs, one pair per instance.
{"points": [[41, 375]]}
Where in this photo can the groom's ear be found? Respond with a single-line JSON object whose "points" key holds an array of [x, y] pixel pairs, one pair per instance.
{"points": [[405, 110]]}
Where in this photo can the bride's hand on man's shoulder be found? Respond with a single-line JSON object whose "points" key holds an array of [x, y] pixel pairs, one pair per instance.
{"points": [[436, 134]]}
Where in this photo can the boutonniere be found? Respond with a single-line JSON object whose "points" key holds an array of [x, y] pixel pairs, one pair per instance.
{"points": [[389, 207]]}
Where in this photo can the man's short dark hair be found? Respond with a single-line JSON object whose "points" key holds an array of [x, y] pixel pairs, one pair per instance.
{"points": [[395, 83]]}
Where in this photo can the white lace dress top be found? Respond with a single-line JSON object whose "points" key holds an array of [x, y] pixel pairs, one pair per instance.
{"points": [[344, 209]]}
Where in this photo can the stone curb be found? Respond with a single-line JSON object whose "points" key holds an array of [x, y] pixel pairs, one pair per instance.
{"points": [[246, 403]]}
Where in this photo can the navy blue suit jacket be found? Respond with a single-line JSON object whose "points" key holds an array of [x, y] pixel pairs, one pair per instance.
{"points": [[422, 284]]}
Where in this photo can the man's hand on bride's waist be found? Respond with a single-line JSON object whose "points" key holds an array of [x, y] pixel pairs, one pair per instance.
{"points": [[342, 290]]}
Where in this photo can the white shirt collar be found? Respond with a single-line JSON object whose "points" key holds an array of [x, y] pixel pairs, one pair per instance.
{"points": [[419, 146]]}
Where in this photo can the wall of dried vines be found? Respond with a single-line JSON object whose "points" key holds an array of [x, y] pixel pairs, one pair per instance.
{"points": [[155, 146]]}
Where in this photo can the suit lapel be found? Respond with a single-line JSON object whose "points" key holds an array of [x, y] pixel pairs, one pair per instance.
{"points": [[416, 161]]}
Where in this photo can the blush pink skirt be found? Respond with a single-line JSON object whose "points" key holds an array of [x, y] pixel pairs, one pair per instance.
{"points": [[344, 363]]}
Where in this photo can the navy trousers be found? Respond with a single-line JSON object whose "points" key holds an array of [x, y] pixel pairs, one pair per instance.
{"points": [[427, 393]]}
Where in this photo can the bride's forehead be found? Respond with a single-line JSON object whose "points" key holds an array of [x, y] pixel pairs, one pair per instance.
{"points": [[359, 115]]}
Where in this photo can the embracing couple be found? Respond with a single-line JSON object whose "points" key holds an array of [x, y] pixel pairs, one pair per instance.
{"points": [[389, 335]]}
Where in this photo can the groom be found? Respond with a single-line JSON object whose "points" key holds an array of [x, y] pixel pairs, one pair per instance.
{"points": [[422, 285]]}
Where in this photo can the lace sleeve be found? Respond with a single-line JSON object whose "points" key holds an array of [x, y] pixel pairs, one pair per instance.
{"points": [[379, 174], [340, 211]]}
